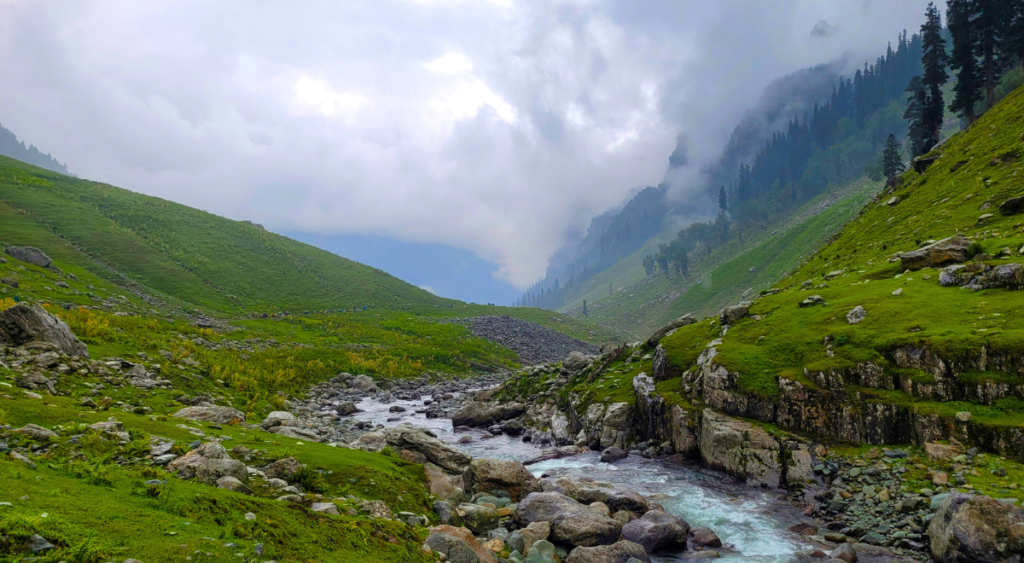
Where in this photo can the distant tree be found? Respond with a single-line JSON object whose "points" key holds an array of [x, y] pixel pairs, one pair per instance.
{"points": [[723, 200], [678, 256], [585, 314], [649, 264], [967, 91], [919, 133], [609, 288], [892, 162], [662, 258], [722, 226], [934, 60], [1015, 30]]}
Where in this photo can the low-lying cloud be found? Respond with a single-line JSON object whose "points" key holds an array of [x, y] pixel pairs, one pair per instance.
{"points": [[488, 125]]}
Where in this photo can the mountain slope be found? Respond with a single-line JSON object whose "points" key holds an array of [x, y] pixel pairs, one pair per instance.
{"points": [[925, 352], [185, 253]]}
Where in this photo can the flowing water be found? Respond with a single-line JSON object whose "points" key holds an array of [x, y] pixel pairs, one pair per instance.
{"points": [[753, 523]]}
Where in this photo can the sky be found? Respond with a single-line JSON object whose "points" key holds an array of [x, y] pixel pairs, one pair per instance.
{"points": [[491, 127]]}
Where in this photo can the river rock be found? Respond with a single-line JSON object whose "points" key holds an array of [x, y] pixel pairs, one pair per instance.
{"points": [[346, 408], [25, 323], [284, 468], [1012, 206], [480, 519], [705, 537], [441, 484], [364, 383], [974, 528], [613, 454], [30, 254], [522, 540], [481, 551], [571, 522], [844, 552], [476, 414], [371, 442], [856, 315], [575, 362], [740, 448], [946, 251], [489, 475], [233, 484], [406, 437], [215, 415], [208, 463], [296, 433], [455, 550], [657, 530], [619, 552]]}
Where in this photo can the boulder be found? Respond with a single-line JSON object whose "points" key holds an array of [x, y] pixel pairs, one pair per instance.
{"points": [[215, 415], [705, 537], [441, 484], [613, 454], [921, 163], [730, 315], [941, 452], [812, 301], [946, 251], [522, 540], [233, 484], [576, 361], [364, 383], [741, 449], [477, 414], [1012, 206], [346, 408], [487, 475], [465, 535], [278, 418], [619, 552], [479, 519], [208, 463], [283, 468], [406, 437], [37, 433], [455, 550], [571, 522], [297, 433], [30, 254], [665, 330], [325, 507], [844, 552], [974, 528], [371, 442], [856, 315], [25, 323], [657, 530]]}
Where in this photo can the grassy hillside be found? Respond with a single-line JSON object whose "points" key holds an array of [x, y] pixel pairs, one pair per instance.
{"points": [[193, 256], [960, 193]]}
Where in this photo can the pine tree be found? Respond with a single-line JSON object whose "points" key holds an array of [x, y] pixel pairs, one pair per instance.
{"points": [[649, 264], [585, 308], [989, 28], [967, 90], [892, 162], [723, 201], [918, 133], [934, 60], [1015, 30]]}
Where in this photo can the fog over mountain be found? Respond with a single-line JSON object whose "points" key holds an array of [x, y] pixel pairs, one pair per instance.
{"points": [[497, 127]]}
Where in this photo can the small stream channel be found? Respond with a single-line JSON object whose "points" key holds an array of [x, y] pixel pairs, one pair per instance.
{"points": [[753, 522]]}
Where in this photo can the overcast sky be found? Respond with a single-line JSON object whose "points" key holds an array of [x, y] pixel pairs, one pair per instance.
{"points": [[487, 125]]}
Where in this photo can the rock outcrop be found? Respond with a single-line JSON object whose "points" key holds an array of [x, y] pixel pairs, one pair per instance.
{"points": [[480, 414], [213, 414], [946, 251], [406, 437], [492, 475], [571, 522], [619, 552], [657, 530], [30, 254], [740, 448], [976, 528]]}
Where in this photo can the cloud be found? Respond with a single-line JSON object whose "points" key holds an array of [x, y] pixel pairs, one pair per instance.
{"points": [[494, 126]]}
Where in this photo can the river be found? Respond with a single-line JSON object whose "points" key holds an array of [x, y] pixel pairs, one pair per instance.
{"points": [[753, 522]]}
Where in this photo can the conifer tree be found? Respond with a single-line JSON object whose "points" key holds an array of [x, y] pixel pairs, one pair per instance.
{"points": [[989, 26], [918, 133], [1015, 30], [723, 201], [934, 60], [968, 88], [892, 162]]}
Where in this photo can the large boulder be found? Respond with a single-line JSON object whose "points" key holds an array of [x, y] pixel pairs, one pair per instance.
{"points": [[619, 552], [30, 254], [296, 433], [657, 530], [477, 414], [215, 415], [975, 528], [487, 475], [455, 550], [741, 449], [25, 323], [467, 536], [576, 361], [207, 464], [522, 540], [479, 519], [571, 522], [371, 442], [442, 485], [279, 418], [946, 251], [406, 437], [730, 315], [665, 330]]}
